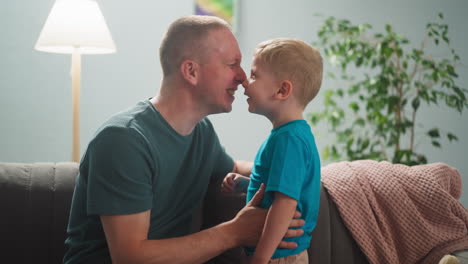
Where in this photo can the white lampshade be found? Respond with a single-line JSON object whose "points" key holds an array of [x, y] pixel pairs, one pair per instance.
{"points": [[75, 24]]}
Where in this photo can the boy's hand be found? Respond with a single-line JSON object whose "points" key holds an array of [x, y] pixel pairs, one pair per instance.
{"points": [[234, 182], [228, 183]]}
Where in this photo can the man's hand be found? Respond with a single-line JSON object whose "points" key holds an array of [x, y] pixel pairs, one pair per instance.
{"points": [[249, 222]]}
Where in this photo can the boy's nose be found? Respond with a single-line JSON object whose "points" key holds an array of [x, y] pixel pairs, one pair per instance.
{"points": [[245, 83]]}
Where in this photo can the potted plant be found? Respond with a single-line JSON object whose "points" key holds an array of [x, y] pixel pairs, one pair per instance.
{"points": [[374, 116]]}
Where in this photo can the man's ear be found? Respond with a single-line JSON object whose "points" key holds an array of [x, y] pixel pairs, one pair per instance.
{"points": [[285, 90], [190, 71]]}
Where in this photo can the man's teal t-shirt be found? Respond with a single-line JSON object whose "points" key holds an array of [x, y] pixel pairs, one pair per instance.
{"points": [[138, 162], [288, 162]]}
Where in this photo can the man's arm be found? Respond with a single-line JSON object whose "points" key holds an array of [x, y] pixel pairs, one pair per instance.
{"points": [[128, 242], [243, 167], [276, 225]]}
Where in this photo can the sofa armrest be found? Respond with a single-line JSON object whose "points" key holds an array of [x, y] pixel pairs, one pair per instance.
{"points": [[35, 201]]}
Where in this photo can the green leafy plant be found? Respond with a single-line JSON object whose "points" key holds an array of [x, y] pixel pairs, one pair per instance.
{"points": [[375, 116]]}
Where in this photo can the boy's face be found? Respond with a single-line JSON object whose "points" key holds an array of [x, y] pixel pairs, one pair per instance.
{"points": [[261, 89]]}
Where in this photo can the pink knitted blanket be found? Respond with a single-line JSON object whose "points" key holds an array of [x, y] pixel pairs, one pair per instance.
{"points": [[397, 213]]}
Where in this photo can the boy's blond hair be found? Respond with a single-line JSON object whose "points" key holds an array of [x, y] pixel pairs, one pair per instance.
{"points": [[294, 60]]}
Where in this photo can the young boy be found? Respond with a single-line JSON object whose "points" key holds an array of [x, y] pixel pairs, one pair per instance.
{"points": [[286, 75]]}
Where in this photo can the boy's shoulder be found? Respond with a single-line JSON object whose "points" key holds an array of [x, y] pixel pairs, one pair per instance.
{"points": [[295, 131], [293, 127]]}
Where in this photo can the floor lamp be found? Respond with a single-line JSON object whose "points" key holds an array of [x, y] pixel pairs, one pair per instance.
{"points": [[75, 27]]}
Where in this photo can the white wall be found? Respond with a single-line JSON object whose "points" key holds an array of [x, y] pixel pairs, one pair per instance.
{"points": [[35, 89]]}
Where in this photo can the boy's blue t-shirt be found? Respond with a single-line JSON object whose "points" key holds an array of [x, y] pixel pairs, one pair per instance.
{"points": [[288, 162]]}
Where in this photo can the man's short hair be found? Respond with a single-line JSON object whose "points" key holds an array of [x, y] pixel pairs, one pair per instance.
{"points": [[185, 39], [294, 60]]}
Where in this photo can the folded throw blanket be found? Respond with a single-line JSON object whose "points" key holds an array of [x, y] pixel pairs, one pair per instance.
{"points": [[398, 213]]}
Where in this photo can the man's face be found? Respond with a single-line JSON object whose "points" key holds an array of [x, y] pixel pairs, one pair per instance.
{"points": [[261, 89], [220, 73]]}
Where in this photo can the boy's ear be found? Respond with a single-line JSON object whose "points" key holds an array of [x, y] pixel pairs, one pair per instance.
{"points": [[285, 90], [190, 71]]}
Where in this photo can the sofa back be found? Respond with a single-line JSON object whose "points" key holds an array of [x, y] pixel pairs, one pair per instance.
{"points": [[35, 201]]}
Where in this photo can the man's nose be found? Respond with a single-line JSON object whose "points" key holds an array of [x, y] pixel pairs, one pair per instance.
{"points": [[241, 78]]}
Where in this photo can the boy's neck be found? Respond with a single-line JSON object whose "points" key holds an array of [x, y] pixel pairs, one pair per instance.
{"points": [[284, 117]]}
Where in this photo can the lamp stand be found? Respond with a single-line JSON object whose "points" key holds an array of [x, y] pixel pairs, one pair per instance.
{"points": [[76, 80]]}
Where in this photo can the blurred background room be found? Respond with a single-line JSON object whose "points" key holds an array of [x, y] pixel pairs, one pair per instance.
{"points": [[35, 98]]}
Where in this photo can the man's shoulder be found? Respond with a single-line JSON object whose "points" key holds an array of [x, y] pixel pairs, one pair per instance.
{"points": [[137, 113], [131, 117], [129, 121]]}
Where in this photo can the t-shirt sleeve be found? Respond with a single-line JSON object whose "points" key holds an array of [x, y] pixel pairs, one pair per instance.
{"points": [[119, 176], [224, 164], [289, 160]]}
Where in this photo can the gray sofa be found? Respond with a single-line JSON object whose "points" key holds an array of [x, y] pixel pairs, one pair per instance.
{"points": [[35, 202]]}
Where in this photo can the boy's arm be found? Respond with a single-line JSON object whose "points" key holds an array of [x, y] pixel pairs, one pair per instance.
{"points": [[276, 225], [235, 182]]}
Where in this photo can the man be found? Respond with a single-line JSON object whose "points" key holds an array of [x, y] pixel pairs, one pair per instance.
{"points": [[148, 168]]}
